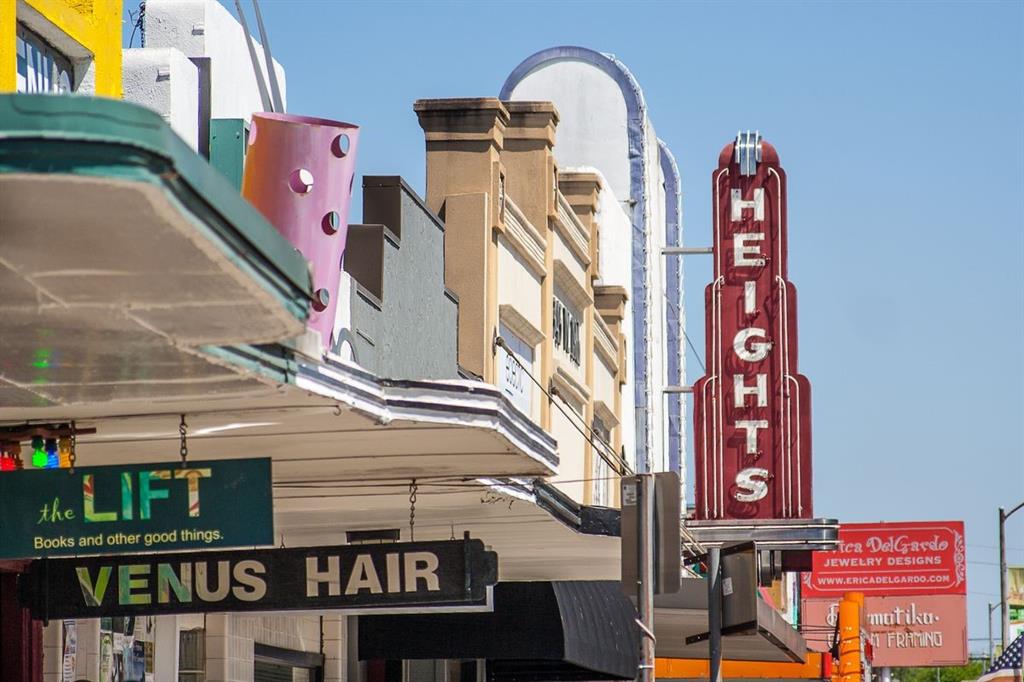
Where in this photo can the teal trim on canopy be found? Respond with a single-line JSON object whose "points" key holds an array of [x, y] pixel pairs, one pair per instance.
{"points": [[110, 138]]}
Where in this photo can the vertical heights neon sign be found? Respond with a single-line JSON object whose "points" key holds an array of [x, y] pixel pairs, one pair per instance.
{"points": [[752, 411]]}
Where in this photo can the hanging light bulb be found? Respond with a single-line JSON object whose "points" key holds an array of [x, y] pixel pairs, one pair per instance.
{"points": [[38, 453], [7, 456], [52, 459], [64, 452]]}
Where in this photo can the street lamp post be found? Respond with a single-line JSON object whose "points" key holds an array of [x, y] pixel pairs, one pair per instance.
{"points": [[1003, 600]]}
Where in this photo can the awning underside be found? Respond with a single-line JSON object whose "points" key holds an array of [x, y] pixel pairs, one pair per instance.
{"points": [[574, 631], [685, 614], [109, 289], [122, 255]]}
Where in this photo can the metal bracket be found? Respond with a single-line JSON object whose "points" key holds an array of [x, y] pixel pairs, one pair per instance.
{"points": [[748, 151], [687, 250]]}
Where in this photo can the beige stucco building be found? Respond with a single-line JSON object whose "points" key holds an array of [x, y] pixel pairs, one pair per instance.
{"points": [[522, 252]]}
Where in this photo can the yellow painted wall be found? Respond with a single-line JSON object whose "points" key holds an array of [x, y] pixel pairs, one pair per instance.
{"points": [[93, 24]]}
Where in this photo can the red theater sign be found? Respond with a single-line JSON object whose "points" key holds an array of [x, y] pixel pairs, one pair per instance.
{"points": [[752, 411], [892, 559]]}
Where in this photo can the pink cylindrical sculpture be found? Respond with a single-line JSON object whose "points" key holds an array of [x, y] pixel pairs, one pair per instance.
{"points": [[299, 173]]}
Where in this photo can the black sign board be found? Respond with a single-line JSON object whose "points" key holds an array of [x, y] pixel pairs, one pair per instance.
{"points": [[667, 544], [739, 590], [395, 578]]}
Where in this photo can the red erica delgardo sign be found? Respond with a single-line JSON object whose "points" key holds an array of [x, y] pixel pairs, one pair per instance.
{"points": [[752, 410], [892, 559]]}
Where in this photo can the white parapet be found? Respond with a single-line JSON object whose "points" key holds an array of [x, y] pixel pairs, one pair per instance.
{"points": [[205, 28], [164, 80]]}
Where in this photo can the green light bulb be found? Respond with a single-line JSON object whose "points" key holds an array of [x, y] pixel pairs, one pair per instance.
{"points": [[38, 452]]}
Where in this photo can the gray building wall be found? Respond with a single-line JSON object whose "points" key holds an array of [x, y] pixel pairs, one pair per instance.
{"points": [[404, 321]]}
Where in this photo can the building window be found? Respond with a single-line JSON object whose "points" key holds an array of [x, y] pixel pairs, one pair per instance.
{"points": [[501, 197], [566, 330], [40, 68], [600, 472]]}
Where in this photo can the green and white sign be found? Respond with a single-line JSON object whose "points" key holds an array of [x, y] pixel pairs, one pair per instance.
{"points": [[136, 508]]}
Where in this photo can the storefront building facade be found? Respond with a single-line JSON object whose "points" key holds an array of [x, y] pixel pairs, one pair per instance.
{"points": [[179, 369], [522, 239], [482, 363]]}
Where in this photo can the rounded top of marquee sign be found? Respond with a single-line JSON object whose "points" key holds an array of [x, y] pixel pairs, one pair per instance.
{"points": [[765, 152]]}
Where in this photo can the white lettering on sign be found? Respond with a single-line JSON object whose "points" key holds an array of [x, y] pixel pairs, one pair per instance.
{"points": [[363, 576], [421, 566], [901, 544], [751, 426], [738, 204], [757, 351], [419, 570], [513, 379], [746, 251], [752, 483], [741, 390], [252, 587], [315, 577], [749, 297], [902, 619]]}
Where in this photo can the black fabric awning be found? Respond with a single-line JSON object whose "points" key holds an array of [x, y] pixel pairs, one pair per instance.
{"points": [[572, 630]]}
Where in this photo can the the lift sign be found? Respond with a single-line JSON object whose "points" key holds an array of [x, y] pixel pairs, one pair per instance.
{"points": [[752, 410], [143, 507]]}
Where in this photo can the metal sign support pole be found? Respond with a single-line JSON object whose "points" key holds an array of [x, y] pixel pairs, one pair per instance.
{"points": [[645, 584], [1004, 613], [715, 613]]}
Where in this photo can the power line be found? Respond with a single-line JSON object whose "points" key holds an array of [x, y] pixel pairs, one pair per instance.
{"points": [[617, 463], [689, 343]]}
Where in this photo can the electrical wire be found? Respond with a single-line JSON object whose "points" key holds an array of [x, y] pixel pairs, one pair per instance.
{"points": [[623, 467], [138, 25], [613, 460], [689, 343]]}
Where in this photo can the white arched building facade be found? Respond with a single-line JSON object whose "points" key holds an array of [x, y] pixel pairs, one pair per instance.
{"points": [[605, 126]]}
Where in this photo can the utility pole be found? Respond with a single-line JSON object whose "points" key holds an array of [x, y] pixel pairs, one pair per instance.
{"points": [[715, 613], [991, 651], [645, 573], [1003, 599]]}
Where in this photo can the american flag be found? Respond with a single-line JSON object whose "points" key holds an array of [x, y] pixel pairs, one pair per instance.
{"points": [[1010, 661]]}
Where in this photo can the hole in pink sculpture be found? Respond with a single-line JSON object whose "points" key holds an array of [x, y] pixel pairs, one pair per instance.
{"points": [[340, 145], [331, 222], [252, 132], [321, 299], [301, 181]]}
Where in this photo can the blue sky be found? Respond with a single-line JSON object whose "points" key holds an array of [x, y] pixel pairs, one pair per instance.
{"points": [[901, 128]]}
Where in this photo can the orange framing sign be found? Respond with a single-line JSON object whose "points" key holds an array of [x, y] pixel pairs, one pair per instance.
{"points": [[694, 669]]}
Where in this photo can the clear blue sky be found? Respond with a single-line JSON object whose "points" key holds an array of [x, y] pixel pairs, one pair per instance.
{"points": [[901, 128]]}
